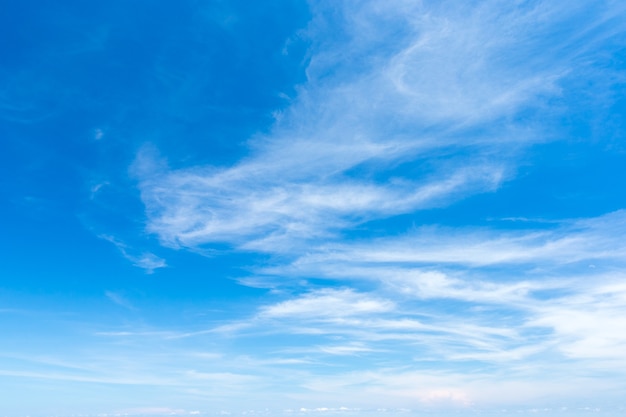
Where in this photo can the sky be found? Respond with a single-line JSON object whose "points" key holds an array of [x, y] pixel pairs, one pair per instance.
{"points": [[322, 208]]}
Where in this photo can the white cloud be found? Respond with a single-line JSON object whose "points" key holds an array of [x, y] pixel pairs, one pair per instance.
{"points": [[551, 300], [407, 106], [259, 208], [146, 260], [590, 323], [584, 240], [341, 350], [423, 96], [425, 93], [550, 303], [327, 303], [119, 299]]}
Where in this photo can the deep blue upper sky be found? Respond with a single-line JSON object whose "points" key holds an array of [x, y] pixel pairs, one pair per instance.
{"points": [[323, 207]]}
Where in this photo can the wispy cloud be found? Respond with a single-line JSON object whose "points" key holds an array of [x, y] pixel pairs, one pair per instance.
{"points": [[119, 299], [146, 260], [425, 98], [517, 293], [328, 303], [262, 209], [409, 106], [391, 122], [589, 324], [591, 240]]}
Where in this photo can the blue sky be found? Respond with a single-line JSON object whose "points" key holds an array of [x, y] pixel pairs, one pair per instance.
{"points": [[314, 208]]}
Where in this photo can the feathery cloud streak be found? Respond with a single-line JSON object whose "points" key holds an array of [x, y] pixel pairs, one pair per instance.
{"points": [[411, 106], [422, 118]]}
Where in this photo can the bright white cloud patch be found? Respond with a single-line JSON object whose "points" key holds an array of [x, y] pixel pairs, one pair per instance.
{"points": [[327, 303]]}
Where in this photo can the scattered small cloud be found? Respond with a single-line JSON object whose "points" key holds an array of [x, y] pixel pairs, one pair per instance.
{"points": [[119, 299], [98, 133], [146, 260], [97, 187]]}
